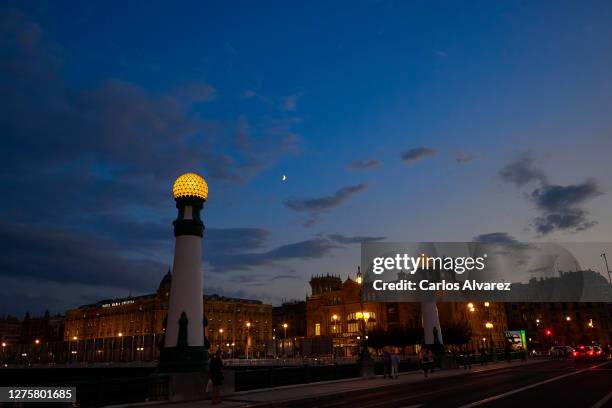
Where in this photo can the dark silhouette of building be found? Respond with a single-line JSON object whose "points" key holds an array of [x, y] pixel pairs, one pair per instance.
{"points": [[293, 314]]}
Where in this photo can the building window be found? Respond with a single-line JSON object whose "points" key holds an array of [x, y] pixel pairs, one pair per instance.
{"points": [[317, 329]]}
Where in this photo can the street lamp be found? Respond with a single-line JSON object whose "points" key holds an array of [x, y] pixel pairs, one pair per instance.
{"points": [[248, 325], [567, 318], [489, 326], [335, 320], [285, 325], [121, 350]]}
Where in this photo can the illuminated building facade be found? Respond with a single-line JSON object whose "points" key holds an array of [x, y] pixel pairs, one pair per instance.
{"points": [[486, 320], [334, 309], [136, 324]]}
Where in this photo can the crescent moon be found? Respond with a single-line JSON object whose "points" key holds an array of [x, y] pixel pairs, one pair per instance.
{"points": [[284, 177]]}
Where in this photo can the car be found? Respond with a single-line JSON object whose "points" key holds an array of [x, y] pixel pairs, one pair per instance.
{"points": [[598, 353], [585, 353], [558, 352]]}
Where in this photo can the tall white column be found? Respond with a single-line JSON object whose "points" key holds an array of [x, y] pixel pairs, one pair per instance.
{"points": [[186, 291], [429, 313]]}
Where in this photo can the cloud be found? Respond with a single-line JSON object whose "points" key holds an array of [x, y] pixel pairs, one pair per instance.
{"points": [[364, 164], [417, 154], [249, 93], [234, 240], [343, 239], [495, 238], [463, 157], [195, 92], [522, 171], [285, 277], [67, 256], [560, 206], [316, 206], [289, 102], [309, 249]]}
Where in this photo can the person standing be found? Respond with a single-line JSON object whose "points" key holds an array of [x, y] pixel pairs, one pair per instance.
{"points": [[394, 365], [424, 359], [216, 376], [386, 358]]}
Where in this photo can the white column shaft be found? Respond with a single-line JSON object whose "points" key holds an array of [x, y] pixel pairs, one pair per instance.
{"points": [[429, 312], [186, 291]]}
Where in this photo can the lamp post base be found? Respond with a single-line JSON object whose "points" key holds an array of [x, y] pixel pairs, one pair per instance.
{"points": [[366, 366], [183, 359]]}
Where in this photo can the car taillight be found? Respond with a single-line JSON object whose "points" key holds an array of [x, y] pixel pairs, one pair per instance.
{"points": [[575, 354], [590, 353]]}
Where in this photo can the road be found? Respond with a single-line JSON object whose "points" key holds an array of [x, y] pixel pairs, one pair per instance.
{"points": [[555, 384]]}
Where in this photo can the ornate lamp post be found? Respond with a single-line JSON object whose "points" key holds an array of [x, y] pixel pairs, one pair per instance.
{"points": [[184, 346]]}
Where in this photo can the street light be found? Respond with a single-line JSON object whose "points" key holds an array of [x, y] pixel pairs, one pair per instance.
{"points": [[285, 325], [487, 304], [36, 341], [248, 325], [121, 350], [567, 318], [489, 326]]}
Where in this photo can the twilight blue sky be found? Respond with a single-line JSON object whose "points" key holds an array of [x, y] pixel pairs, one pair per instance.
{"points": [[405, 121]]}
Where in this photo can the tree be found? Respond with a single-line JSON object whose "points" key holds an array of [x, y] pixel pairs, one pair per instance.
{"points": [[377, 339], [457, 333]]}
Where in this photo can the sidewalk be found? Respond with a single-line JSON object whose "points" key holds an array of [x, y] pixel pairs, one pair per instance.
{"points": [[270, 396]]}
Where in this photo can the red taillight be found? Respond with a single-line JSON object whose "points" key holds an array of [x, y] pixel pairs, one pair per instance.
{"points": [[575, 354], [590, 352], [581, 347]]}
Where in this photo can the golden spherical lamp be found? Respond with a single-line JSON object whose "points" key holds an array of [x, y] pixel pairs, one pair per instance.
{"points": [[190, 185]]}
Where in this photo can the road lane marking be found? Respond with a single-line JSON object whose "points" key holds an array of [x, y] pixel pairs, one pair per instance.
{"points": [[528, 387], [603, 401]]}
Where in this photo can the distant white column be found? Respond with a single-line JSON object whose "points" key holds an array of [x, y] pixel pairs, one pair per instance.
{"points": [[429, 313]]}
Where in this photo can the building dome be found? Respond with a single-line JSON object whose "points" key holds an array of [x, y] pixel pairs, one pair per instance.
{"points": [[190, 185]]}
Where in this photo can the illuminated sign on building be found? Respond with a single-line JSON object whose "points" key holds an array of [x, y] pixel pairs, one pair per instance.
{"points": [[123, 302]]}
